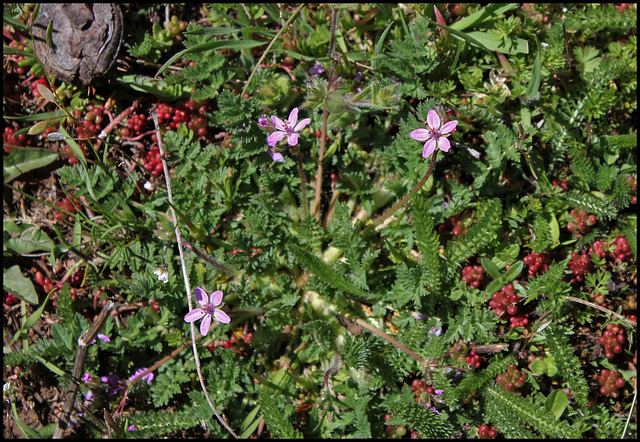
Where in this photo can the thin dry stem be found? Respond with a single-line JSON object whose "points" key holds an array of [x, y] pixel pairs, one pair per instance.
{"points": [[185, 275]]}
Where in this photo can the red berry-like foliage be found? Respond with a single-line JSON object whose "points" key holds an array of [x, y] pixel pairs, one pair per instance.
{"points": [[537, 263], [610, 382], [34, 86], [504, 303], [563, 184], [422, 392], [456, 225], [192, 113], [619, 249], [473, 275], [582, 222], [136, 125], [9, 137], [487, 432], [66, 204], [613, 340], [394, 431], [512, 379], [152, 160], [579, 265], [9, 299], [474, 359]]}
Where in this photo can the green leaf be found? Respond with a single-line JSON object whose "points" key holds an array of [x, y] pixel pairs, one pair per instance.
{"points": [[487, 40], [31, 320], [556, 403], [213, 45], [31, 239], [74, 146], [27, 431], [379, 44], [534, 82], [491, 12], [21, 161], [14, 282], [326, 273]]}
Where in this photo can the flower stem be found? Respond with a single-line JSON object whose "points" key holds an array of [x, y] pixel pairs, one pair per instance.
{"points": [[406, 198], [303, 185], [315, 209]]}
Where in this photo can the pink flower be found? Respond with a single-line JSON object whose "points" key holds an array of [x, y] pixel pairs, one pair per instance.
{"points": [[206, 309], [287, 128], [435, 136]]}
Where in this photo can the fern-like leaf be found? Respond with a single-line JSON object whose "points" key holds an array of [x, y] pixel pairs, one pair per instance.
{"points": [[479, 236], [601, 208], [326, 273], [542, 232], [277, 422], [499, 364], [423, 420], [428, 242], [569, 367], [529, 413], [550, 283]]}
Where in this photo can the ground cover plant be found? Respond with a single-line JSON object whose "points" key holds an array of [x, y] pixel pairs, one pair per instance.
{"points": [[322, 220]]}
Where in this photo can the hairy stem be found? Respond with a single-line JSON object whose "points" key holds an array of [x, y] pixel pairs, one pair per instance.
{"points": [[315, 209], [303, 185]]}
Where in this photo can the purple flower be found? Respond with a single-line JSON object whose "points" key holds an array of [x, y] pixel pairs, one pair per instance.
{"points": [[114, 384], [435, 136], [147, 377], [206, 309], [131, 428], [287, 128], [276, 156]]}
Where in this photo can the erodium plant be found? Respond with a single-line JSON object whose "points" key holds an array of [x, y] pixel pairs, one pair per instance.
{"points": [[327, 221]]}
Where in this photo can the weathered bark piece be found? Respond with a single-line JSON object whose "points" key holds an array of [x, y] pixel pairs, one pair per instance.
{"points": [[85, 39]]}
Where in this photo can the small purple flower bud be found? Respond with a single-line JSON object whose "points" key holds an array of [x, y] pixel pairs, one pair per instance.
{"points": [[315, 70]]}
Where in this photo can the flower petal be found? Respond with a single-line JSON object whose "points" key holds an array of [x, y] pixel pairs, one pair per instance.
{"points": [[293, 117], [205, 325], [444, 144], [221, 316], [433, 119], [201, 296], [276, 156], [302, 124], [277, 122], [292, 139], [276, 136], [194, 315], [420, 134], [429, 147], [449, 127], [216, 298]]}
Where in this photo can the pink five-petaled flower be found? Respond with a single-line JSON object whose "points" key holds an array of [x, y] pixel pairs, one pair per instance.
{"points": [[435, 136], [206, 309], [287, 128]]}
